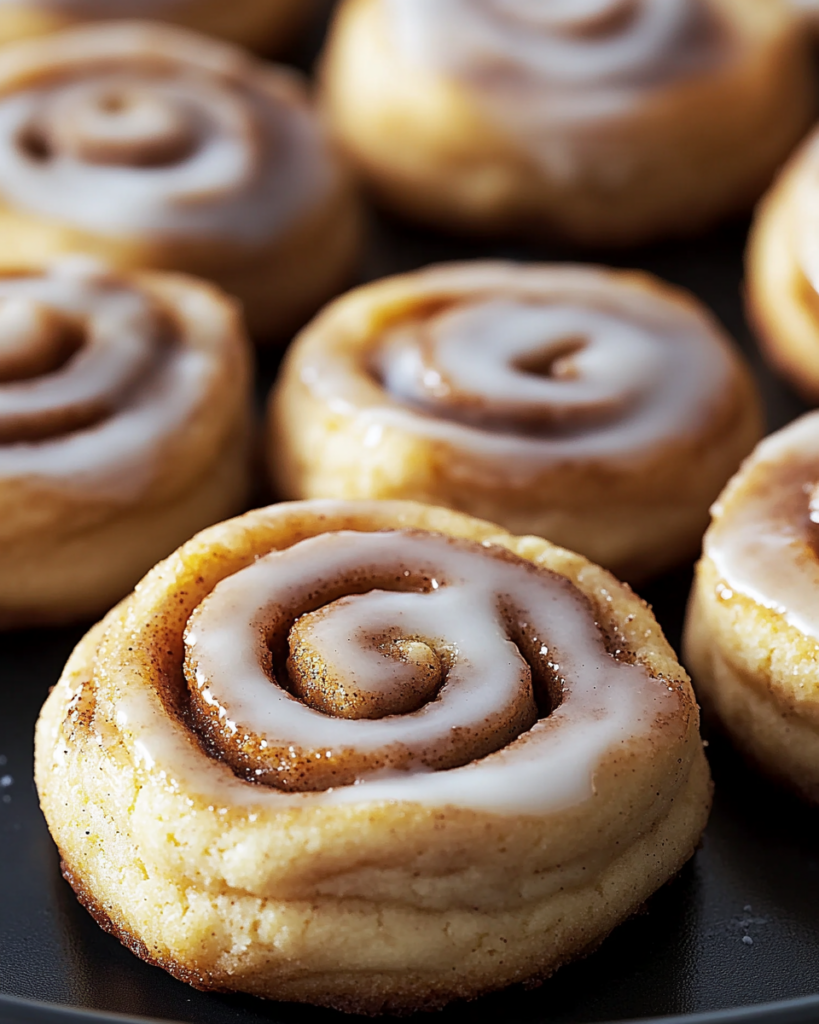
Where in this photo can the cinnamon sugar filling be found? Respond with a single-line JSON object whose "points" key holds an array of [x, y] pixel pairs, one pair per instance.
{"points": [[352, 653]]}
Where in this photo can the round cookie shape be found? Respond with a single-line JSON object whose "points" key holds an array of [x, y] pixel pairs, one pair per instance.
{"points": [[782, 271], [266, 25], [752, 632], [151, 147], [374, 858], [601, 409], [124, 428], [605, 121]]}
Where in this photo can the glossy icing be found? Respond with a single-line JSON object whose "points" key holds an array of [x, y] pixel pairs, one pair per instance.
{"points": [[525, 367], [764, 538], [97, 420], [172, 136], [495, 615], [542, 65]]}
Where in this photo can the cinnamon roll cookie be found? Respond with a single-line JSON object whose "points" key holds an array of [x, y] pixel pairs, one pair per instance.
{"points": [[370, 755], [124, 428], [783, 272], [607, 121], [153, 147], [260, 24], [752, 635], [598, 408]]}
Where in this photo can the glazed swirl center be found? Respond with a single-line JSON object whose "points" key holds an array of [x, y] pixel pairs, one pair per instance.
{"points": [[123, 124], [95, 373], [584, 369], [566, 43], [137, 129], [358, 653], [65, 366], [514, 365], [181, 147], [34, 339], [394, 674]]}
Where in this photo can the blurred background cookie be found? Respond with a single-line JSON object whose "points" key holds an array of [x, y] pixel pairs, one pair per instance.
{"points": [[153, 147], [124, 428], [602, 409], [605, 121]]}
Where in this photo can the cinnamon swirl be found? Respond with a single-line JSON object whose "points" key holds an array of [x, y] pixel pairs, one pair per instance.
{"points": [[607, 121], [370, 755], [783, 272], [152, 147], [123, 429], [752, 635], [601, 409], [259, 24]]}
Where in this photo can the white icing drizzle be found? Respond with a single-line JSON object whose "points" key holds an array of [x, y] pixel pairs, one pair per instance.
{"points": [[605, 704], [542, 64], [150, 131], [764, 538], [476, 354], [458, 614], [114, 402], [628, 371]]}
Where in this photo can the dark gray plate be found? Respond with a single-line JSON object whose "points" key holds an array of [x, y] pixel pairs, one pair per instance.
{"points": [[736, 932]]}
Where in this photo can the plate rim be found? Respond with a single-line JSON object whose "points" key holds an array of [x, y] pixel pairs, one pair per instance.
{"points": [[799, 1010]]}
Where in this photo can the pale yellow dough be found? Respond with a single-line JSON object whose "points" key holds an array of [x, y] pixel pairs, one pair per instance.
{"points": [[684, 154], [782, 303], [754, 663], [367, 906], [758, 676]]}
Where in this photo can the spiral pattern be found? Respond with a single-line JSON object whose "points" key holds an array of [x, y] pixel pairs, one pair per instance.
{"points": [[535, 365], [363, 663], [145, 129], [351, 743], [764, 540], [594, 57], [95, 374]]}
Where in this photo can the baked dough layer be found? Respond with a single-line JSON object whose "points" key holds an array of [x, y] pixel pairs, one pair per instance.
{"points": [[750, 639], [782, 302], [339, 898], [668, 154], [758, 678]]}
